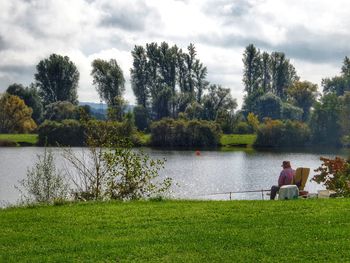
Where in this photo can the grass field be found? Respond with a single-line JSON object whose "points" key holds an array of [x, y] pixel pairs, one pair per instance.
{"points": [[20, 138], [228, 140], [179, 231]]}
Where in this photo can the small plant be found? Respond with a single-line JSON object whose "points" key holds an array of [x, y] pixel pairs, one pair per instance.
{"points": [[132, 174], [335, 175], [113, 170], [44, 183]]}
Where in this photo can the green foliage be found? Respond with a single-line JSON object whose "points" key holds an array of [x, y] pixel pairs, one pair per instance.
{"points": [[324, 123], [242, 127], [166, 80], [335, 175], [73, 132], [67, 132], [276, 133], [141, 116], [283, 74], [44, 183], [264, 74], [290, 112], [131, 174], [60, 110], [57, 79], [338, 84], [15, 116], [113, 170], [217, 100], [109, 80], [253, 121], [183, 133], [116, 111], [31, 98], [344, 118], [303, 95], [252, 69], [269, 106]]}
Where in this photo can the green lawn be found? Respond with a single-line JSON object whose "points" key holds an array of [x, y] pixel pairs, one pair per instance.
{"points": [[20, 138], [228, 140], [179, 231]]}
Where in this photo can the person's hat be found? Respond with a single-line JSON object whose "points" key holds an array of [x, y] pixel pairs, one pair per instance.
{"points": [[285, 164]]}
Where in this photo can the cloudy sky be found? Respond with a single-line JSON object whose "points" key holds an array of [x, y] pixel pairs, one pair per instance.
{"points": [[314, 34]]}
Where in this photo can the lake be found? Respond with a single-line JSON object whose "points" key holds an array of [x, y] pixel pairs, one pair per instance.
{"points": [[195, 177]]}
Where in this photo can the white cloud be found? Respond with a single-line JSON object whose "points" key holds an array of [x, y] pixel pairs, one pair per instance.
{"points": [[314, 34]]}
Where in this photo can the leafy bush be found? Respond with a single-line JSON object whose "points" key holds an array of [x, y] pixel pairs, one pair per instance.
{"points": [[73, 132], [335, 175], [276, 133], [60, 110], [44, 183], [67, 132], [243, 128], [114, 172], [172, 133]]}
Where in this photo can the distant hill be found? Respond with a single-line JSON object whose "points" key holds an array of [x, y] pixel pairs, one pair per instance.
{"points": [[99, 110]]}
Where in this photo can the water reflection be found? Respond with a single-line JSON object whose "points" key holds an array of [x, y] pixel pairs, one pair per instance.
{"points": [[196, 177]]}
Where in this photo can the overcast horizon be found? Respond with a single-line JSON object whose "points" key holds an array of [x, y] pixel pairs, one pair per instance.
{"points": [[314, 35]]}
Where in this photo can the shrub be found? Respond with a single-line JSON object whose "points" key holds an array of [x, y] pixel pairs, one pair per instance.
{"points": [[243, 128], [73, 132], [60, 110], [114, 172], [335, 175], [183, 133], [67, 132], [276, 133], [44, 183]]}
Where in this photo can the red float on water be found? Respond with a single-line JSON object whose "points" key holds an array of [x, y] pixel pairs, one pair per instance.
{"points": [[198, 153]]}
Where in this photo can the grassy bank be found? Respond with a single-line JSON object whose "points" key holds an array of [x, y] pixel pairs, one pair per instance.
{"points": [[178, 231], [234, 140], [20, 139]]}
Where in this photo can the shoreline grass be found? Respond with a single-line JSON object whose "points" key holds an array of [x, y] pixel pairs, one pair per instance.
{"points": [[21, 139], [234, 140], [178, 231]]}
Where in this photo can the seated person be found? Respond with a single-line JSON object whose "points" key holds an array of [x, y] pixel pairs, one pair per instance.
{"points": [[286, 178]]}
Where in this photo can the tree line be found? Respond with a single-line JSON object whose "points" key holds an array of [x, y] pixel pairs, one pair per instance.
{"points": [[169, 82]]}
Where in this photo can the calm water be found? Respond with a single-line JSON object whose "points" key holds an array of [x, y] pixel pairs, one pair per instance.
{"points": [[195, 176]]}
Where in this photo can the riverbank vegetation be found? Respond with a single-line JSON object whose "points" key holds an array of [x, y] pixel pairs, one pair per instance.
{"points": [[19, 139], [181, 231], [171, 83]]}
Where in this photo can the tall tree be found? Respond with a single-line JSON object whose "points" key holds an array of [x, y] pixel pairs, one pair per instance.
{"points": [[201, 84], [251, 69], [325, 124], [338, 84], [57, 79], [15, 116], [217, 100], [109, 80], [266, 72], [303, 95], [283, 74], [140, 76], [31, 98], [344, 118]]}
